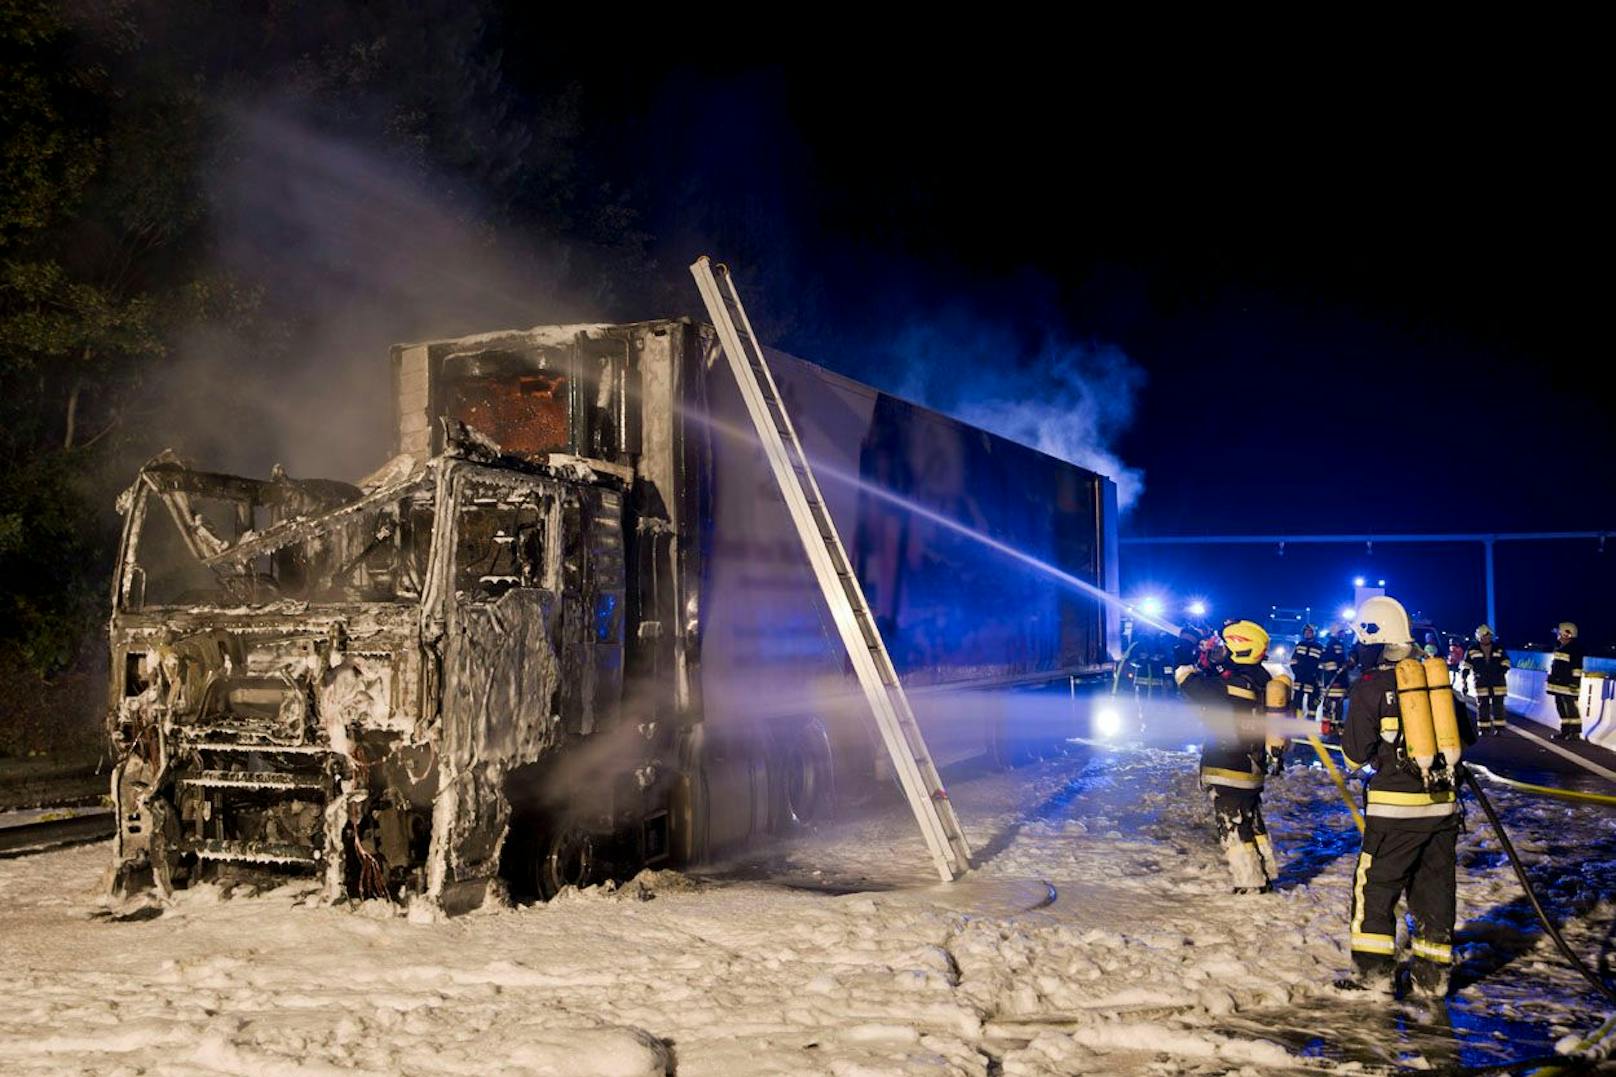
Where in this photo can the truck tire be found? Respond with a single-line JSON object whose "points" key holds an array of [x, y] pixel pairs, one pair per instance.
{"points": [[808, 778], [566, 857]]}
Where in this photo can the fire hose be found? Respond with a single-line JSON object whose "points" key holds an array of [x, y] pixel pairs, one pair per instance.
{"points": [[1340, 782], [1560, 944], [1329, 764], [1468, 777]]}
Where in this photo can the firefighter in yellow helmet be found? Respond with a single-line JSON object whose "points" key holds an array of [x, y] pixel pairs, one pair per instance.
{"points": [[1231, 690], [1411, 811]]}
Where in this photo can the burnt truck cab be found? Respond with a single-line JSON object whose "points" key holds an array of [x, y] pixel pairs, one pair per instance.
{"points": [[360, 683], [567, 631]]}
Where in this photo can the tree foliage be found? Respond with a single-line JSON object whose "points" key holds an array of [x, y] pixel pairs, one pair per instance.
{"points": [[112, 113]]}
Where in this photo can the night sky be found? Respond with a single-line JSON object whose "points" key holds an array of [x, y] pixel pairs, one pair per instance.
{"points": [[1360, 303]]}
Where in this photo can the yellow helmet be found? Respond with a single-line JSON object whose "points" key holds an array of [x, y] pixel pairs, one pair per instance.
{"points": [[1246, 641]]}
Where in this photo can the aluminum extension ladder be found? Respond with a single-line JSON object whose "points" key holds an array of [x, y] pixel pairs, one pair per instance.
{"points": [[873, 666]]}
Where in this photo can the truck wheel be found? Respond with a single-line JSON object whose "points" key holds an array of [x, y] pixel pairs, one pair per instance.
{"points": [[810, 774], [566, 858], [1009, 750]]}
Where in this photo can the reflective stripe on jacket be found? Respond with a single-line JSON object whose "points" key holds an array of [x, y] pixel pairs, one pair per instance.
{"points": [[1374, 737], [1490, 669], [1305, 661], [1565, 668], [1236, 748]]}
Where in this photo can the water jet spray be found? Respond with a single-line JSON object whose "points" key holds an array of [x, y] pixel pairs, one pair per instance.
{"points": [[822, 468]]}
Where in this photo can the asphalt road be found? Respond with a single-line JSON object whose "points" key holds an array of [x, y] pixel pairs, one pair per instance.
{"points": [[20, 839], [1517, 756]]}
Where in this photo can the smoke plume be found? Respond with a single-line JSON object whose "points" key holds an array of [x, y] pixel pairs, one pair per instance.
{"points": [[347, 250], [1068, 399]]}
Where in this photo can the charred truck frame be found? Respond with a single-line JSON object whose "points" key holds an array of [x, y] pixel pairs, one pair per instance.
{"points": [[567, 630]]}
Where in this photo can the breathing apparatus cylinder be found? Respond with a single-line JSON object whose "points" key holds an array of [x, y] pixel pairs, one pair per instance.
{"points": [[1414, 702], [1277, 702], [1444, 719]]}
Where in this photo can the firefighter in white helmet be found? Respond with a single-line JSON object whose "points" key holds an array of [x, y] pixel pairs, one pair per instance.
{"points": [[1231, 689], [1487, 664], [1565, 681], [1411, 822]]}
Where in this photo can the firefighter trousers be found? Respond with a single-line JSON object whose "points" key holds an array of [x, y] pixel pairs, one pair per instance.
{"points": [[1398, 859], [1307, 697], [1570, 716], [1244, 837], [1490, 709], [1334, 705]]}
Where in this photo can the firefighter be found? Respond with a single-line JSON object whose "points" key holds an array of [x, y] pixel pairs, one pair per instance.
{"points": [[1231, 687], [1140, 667], [1126, 669], [1187, 647], [1456, 663], [1155, 669], [1305, 669], [1165, 659], [1411, 817], [1486, 667], [1565, 681], [1333, 680]]}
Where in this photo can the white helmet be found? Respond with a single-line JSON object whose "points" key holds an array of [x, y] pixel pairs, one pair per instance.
{"points": [[1569, 629], [1383, 619]]}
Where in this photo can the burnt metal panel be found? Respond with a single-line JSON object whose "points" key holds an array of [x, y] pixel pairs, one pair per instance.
{"points": [[952, 609]]}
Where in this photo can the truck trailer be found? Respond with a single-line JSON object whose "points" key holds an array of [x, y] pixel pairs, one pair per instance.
{"points": [[567, 630]]}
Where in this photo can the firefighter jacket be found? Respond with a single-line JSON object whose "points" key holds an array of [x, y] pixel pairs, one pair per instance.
{"points": [[1143, 666], [1236, 751], [1126, 669], [1565, 668], [1489, 667], [1166, 664], [1397, 794], [1305, 661], [1333, 667]]}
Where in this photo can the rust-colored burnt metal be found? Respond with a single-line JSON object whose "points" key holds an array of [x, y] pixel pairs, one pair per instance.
{"points": [[526, 415]]}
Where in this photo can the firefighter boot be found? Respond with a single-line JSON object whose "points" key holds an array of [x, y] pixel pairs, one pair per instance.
{"points": [[1374, 973], [1245, 865], [1270, 862], [1429, 978]]}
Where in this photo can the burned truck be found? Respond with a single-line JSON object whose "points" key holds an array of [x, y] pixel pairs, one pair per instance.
{"points": [[567, 630]]}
